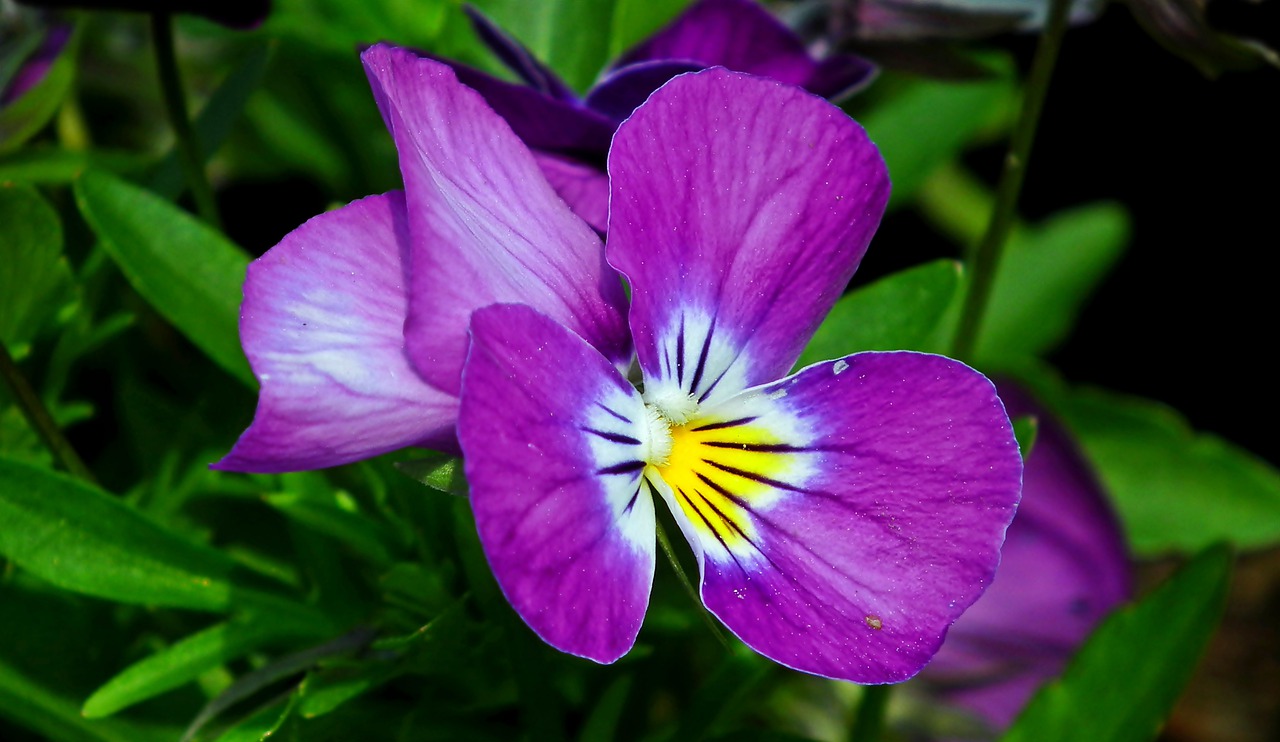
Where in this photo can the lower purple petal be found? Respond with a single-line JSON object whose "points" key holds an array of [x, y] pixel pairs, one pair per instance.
{"points": [[861, 506], [552, 440], [322, 325]]}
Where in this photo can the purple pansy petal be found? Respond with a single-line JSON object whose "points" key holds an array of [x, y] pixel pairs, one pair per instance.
{"points": [[840, 75], [1064, 567], [322, 325], [845, 516], [552, 435], [486, 227], [623, 90], [583, 187], [738, 34], [517, 58], [541, 122], [739, 209]]}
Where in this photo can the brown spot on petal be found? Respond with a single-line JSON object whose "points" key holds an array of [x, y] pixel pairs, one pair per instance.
{"points": [[874, 622]]}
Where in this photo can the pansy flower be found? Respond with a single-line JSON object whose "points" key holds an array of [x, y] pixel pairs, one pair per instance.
{"points": [[843, 517], [1064, 566], [570, 135]]}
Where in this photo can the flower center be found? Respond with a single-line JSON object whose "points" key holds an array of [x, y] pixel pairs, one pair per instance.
{"points": [[673, 403], [657, 440]]}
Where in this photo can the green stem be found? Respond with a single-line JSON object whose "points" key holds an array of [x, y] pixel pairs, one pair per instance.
{"points": [[40, 419], [986, 257], [175, 104], [869, 720], [665, 544]]}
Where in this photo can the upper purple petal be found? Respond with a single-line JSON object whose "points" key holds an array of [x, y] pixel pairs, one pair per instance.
{"points": [[739, 209], [550, 435], [1064, 567], [485, 225], [743, 36], [624, 89], [322, 325], [851, 512], [583, 187]]}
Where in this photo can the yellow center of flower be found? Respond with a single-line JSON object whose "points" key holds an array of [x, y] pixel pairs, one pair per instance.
{"points": [[720, 469]]}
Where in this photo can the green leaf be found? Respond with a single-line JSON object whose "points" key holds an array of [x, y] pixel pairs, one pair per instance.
{"points": [[1047, 273], [213, 125], [54, 165], [1025, 428], [1126, 678], [185, 661], [188, 271], [898, 312], [924, 124], [325, 690], [1175, 489], [260, 725], [57, 718], [80, 538], [636, 20], [34, 277], [362, 534], [439, 472]]}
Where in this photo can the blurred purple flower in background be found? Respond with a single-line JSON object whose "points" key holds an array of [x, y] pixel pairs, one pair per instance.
{"points": [[35, 73], [1064, 566], [570, 135]]}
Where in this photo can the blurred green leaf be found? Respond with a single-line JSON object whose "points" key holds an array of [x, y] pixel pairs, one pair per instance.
{"points": [[1126, 678], [365, 536], [601, 724], [213, 124], [34, 277], [923, 124], [188, 271], [439, 472], [1175, 489], [1025, 428], [636, 20], [54, 165], [184, 661], [82, 539], [57, 718], [325, 690], [260, 725], [1048, 272], [898, 312], [24, 117]]}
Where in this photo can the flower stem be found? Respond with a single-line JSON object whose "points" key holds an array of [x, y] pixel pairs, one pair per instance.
{"points": [[985, 259], [670, 553], [869, 719], [40, 419], [175, 104]]}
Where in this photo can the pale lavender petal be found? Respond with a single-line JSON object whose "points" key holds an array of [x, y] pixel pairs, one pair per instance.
{"points": [[322, 325], [583, 187], [517, 58], [1064, 566], [844, 517], [552, 438], [486, 227], [623, 90], [739, 209]]}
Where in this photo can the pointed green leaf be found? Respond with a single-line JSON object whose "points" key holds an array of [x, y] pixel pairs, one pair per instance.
{"points": [[184, 661], [922, 125], [1175, 489], [56, 718], [1047, 273], [188, 271], [439, 472], [636, 20], [1125, 680], [899, 312], [570, 36], [54, 165], [34, 277]]}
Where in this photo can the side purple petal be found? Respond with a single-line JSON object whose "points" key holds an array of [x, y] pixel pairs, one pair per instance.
{"points": [[884, 526], [583, 187], [552, 443], [1064, 567], [517, 58], [322, 326], [485, 225], [624, 89], [739, 209]]}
